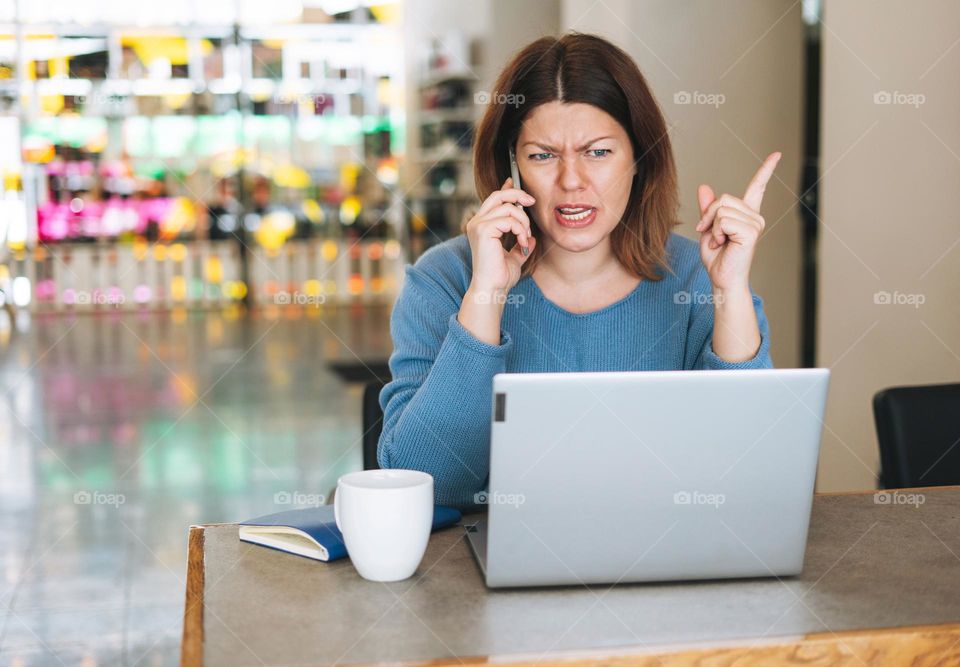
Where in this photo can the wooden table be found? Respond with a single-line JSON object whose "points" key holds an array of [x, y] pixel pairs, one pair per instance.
{"points": [[880, 586]]}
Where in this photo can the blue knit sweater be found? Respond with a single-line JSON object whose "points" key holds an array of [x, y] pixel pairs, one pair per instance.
{"points": [[437, 406]]}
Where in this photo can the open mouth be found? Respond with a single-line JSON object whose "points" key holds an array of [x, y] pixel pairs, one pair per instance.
{"points": [[575, 215]]}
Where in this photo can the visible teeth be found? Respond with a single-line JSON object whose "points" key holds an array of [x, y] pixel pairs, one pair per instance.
{"points": [[575, 213]]}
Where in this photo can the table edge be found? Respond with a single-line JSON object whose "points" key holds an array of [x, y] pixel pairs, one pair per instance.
{"points": [[874, 646], [191, 645], [905, 489]]}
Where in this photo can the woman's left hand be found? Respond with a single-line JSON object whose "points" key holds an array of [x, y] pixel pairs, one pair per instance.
{"points": [[730, 228]]}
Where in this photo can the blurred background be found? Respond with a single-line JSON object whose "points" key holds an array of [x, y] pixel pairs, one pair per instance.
{"points": [[207, 206]]}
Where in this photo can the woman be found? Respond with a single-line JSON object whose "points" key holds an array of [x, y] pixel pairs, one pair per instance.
{"points": [[576, 271]]}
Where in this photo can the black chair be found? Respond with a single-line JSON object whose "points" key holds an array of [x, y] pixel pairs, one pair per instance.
{"points": [[372, 423], [918, 429], [357, 370]]}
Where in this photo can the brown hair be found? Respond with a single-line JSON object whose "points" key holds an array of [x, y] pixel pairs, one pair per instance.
{"points": [[588, 69]]}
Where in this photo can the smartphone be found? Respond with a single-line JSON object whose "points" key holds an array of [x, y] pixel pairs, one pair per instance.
{"points": [[514, 170], [515, 177]]}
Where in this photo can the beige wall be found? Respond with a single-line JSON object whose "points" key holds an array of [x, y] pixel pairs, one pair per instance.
{"points": [[889, 207], [749, 51], [516, 24]]}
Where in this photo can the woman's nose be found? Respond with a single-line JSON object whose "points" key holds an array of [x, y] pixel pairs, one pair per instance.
{"points": [[571, 175]]}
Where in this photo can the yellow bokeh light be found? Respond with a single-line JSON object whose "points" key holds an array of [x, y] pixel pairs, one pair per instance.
{"points": [[348, 175], [214, 270], [349, 210], [178, 288], [312, 211], [51, 104], [235, 289], [167, 47], [291, 176], [274, 230], [387, 12], [329, 251], [312, 288], [178, 252]]}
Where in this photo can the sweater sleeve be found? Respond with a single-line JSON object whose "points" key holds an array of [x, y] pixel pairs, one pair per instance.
{"points": [[700, 354], [437, 405]]}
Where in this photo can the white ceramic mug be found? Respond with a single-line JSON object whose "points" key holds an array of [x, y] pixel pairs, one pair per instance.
{"points": [[386, 517]]}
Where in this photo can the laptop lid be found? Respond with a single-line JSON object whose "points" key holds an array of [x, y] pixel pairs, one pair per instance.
{"points": [[649, 476]]}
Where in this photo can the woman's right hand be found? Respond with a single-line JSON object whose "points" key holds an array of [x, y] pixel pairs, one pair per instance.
{"points": [[496, 271]]}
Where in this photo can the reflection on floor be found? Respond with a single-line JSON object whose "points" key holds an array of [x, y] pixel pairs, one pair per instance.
{"points": [[118, 431]]}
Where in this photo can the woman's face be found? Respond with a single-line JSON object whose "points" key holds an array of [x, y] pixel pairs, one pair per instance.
{"points": [[577, 161]]}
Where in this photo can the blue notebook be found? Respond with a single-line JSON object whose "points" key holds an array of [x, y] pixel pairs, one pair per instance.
{"points": [[313, 532]]}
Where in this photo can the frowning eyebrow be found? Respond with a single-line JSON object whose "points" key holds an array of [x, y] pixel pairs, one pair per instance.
{"points": [[553, 149]]}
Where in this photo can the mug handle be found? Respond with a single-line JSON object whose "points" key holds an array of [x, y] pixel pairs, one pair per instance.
{"points": [[336, 508]]}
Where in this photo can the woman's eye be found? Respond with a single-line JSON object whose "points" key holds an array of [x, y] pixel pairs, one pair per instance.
{"points": [[598, 152], [540, 156]]}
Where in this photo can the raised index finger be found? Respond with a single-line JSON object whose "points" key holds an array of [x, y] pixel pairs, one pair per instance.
{"points": [[753, 197]]}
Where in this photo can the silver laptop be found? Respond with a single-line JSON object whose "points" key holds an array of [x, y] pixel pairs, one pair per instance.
{"points": [[649, 476]]}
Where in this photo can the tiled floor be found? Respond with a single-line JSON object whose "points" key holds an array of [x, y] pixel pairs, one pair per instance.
{"points": [[118, 431]]}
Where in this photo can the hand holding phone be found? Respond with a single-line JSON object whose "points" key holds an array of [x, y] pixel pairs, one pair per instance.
{"points": [[500, 237]]}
